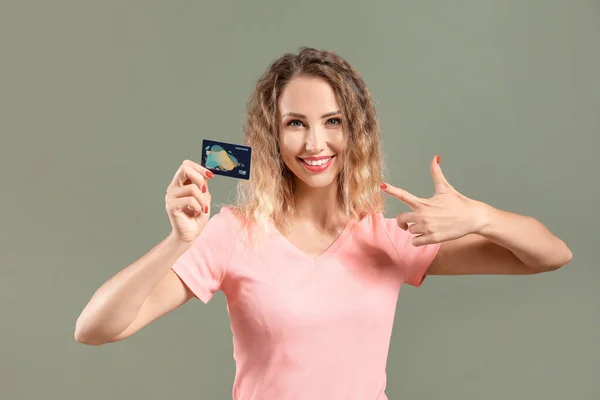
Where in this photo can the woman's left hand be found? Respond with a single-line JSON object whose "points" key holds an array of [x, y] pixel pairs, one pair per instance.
{"points": [[448, 215]]}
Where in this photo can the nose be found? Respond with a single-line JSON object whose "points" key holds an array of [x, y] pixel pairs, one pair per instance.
{"points": [[315, 140]]}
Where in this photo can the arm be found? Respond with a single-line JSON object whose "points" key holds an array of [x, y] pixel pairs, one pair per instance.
{"points": [[149, 288], [504, 243], [475, 237], [134, 297]]}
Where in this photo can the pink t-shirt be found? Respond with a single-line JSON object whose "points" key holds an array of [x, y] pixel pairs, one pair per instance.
{"points": [[307, 327]]}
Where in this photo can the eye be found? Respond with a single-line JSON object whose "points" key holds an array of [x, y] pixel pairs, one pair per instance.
{"points": [[294, 123], [334, 121]]}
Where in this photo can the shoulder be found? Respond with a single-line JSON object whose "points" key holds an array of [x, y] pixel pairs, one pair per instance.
{"points": [[223, 224], [376, 223], [227, 217]]}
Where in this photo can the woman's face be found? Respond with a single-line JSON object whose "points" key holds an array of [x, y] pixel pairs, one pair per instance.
{"points": [[311, 131]]}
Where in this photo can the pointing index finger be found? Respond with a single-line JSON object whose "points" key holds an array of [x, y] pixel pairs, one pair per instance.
{"points": [[407, 198]]}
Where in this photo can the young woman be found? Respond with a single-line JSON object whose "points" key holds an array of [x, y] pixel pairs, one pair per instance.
{"points": [[310, 267]]}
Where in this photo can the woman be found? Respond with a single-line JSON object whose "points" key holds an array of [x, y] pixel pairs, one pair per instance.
{"points": [[310, 267]]}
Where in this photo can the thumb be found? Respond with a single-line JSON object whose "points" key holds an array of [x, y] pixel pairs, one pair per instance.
{"points": [[439, 180]]}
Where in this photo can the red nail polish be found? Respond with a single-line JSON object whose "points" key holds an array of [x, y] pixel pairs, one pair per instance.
{"points": [[206, 210], [437, 159], [203, 188], [209, 174], [383, 185]]}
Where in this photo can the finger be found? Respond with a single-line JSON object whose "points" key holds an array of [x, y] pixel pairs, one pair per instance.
{"points": [[189, 205], [191, 190], [416, 229], [205, 172], [407, 198], [422, 240], [188, 173], [202, 196], [404, 218], [439, 180]]}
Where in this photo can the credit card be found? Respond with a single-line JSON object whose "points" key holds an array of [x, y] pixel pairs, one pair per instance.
{"points": [[226, 159]]}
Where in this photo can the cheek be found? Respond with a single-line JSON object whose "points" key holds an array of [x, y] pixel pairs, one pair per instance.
{"points": [[288, 145], [338, 142]]}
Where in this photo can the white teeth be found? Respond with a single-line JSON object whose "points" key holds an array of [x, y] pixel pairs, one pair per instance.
{"points": [[318, 162]]}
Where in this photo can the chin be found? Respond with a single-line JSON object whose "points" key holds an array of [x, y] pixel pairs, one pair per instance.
{"points": [[318, 183]]}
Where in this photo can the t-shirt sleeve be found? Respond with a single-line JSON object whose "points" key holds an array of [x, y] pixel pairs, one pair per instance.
{"points": [[203, 266], [414, 259]]}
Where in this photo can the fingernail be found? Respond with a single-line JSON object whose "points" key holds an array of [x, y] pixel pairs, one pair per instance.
{"points": [[206, 210], [383, 185], [437, 159], [203, 188], [209, 174]]}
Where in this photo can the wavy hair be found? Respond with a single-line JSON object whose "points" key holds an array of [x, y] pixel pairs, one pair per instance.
{"points": [[269, 194]]}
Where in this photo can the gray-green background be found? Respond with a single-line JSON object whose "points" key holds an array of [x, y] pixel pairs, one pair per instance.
{"points": [[100, 101]]}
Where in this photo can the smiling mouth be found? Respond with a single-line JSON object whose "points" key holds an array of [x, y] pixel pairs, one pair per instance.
{"points": [[316, 162]]}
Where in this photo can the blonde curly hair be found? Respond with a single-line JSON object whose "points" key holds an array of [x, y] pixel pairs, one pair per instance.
{"points": [[269, 194]]}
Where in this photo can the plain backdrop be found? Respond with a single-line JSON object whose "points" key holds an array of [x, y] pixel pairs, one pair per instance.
{"points": [[100, 102]]}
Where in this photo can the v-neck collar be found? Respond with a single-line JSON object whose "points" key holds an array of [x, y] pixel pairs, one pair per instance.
{"points": [[335, 244]]}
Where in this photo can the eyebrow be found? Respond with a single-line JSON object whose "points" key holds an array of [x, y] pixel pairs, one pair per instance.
{"points": [[292, 114]]}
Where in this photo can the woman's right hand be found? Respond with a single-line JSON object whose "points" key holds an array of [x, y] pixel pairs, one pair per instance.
{"points": [[188, 201]]}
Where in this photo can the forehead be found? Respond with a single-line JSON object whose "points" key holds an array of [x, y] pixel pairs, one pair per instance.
{"points": [[310, 96]]}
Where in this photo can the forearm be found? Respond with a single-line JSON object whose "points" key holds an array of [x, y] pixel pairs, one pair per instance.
{"points": [[117, 302], [525, 237]]}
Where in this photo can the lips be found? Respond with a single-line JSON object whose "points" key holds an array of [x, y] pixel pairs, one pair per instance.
{"points": [[316, 161], [316, 164]]}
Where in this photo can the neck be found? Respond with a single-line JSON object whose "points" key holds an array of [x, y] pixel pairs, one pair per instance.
{"points": [[321, 207]]}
